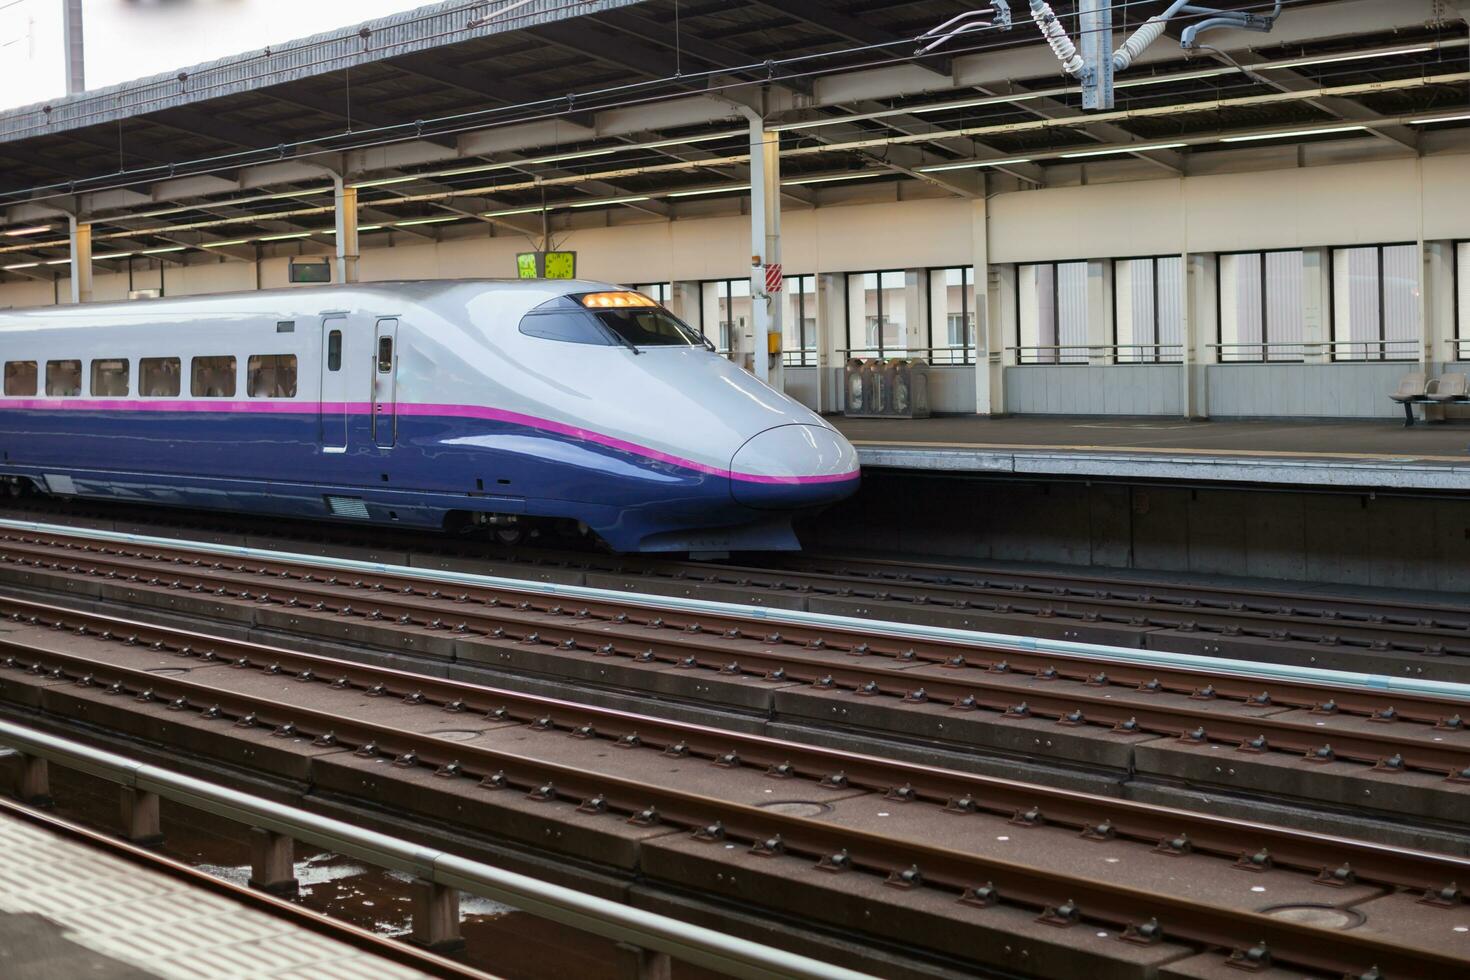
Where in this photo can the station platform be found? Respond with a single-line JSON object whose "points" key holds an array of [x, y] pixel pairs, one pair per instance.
{"points": [[1368, 454], [74, 905]]}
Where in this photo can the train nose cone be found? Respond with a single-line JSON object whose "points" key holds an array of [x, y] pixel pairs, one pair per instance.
{"points": [[794, 466]]}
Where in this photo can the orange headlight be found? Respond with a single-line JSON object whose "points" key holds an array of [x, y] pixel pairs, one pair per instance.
{"points": [[605, 301]]}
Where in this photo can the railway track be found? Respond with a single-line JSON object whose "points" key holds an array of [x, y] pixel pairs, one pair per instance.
{"points": [[855, 838], [1401, 754], [1424, 638]]}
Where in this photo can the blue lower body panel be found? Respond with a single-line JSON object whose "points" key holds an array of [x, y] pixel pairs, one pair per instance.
{"points": [[275, 464]]}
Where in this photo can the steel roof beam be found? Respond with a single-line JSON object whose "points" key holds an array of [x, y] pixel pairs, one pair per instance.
{"points": [[819, 14]]}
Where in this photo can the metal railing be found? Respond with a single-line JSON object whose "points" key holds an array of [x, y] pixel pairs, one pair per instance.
{"points": [[599, 916], [1289, 351], [1095, 353], [943, 355]]}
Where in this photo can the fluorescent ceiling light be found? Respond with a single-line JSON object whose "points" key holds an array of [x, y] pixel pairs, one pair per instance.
{"points": [[426, 221], [908, 111], [972, 164], [161, 251], [1141, 147], [20, 265], [610, 200], [113, 255], [1426, 120], [710, 190], [833, 179], [59, 262], [1291, 132], [282, 238], [364, 228], [238, 241], [33, 230], [1328, 59], [1183, 76]]}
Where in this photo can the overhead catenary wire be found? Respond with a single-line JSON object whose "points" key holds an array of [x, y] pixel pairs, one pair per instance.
{"points": [[462, 122]]}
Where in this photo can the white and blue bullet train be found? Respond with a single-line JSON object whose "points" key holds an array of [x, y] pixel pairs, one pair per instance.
{"points": [[447, 404]]}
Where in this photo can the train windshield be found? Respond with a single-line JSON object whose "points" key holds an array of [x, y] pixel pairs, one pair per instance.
{"points": [[648, 327]]}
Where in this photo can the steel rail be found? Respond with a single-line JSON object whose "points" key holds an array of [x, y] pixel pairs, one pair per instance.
{"points": [[845, 849], [1081, 697], [594, 914], [1181, 672], [1229, 611], [960, 792]]}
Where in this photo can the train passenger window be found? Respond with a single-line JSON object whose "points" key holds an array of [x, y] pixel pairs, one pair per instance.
{"points": [[385, 355], [20, 377], [334, 351], [568, 326], [158, 377], [271, 376], [212, 377], [110, 377], [63, 378]]}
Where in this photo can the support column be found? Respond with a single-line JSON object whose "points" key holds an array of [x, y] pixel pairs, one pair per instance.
{"points": [[831, 337], [1002, 311], [33, 782], [81, 260], [1439, 299], [915, 311], [1099, 311], [1199, 330], [345, 201], [989, 339], [765, 250], [436, 916], [1317, 305], [272, 862], [139, 813]]}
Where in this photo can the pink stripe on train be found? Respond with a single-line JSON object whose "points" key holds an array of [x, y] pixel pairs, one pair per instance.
{"points": [[290, 407]]}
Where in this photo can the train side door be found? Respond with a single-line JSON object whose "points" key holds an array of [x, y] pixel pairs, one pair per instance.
{"points": [[385, 384], [334, 386]]}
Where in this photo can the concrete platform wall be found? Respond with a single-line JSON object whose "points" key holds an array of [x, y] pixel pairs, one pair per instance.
{"points": [[1303, 390], [1084, 389], [1304, 538]]}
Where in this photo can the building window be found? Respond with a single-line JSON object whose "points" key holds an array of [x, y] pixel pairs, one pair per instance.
{"points": [[20, 378], [1462, 301], [1148, 307], [158, 377], [1052, 311], [271, 375], [1261, 312], [877, 316], [1375, 303], [724, 311], [110, 377], [659, 292], [212, 377], [63, 378], [952, 315], [799, 320]]}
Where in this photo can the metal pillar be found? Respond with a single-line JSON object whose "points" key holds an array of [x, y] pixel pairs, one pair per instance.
{"points": [[81, 260], [1095, 44], [1199, 329], [345, 202], [765, 250], [76, 73], [989, 339], [1316, 304]]}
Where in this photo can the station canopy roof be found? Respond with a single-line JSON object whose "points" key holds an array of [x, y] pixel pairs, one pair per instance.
{"points": [[464, 112]]}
